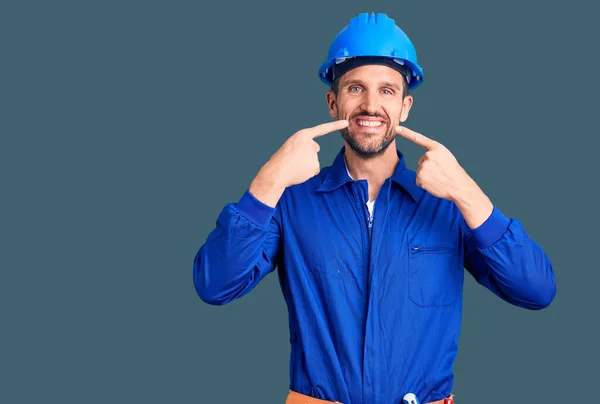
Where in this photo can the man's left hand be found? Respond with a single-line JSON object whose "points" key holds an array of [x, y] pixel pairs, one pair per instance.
{"points": [[438, 171]]}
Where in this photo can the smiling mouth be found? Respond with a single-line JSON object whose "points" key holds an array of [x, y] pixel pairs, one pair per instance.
{"points": [[369, 124]]}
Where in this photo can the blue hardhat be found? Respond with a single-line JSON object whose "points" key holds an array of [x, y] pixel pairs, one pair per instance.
{"points": [[374, 35]]}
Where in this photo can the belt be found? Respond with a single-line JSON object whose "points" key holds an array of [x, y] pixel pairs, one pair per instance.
{"points": [[297, 398]]}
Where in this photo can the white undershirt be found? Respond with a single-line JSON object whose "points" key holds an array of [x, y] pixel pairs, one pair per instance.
{"points": [[370, 204]]}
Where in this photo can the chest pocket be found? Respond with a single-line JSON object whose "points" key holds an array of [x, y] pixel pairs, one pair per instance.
{"points": [[435, 274]]}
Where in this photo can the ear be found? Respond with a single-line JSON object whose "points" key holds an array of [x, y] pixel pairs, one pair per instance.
{"points": [[406, 105], [331, 104]]}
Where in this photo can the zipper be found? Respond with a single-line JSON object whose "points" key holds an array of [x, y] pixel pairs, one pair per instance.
{"points": [[431, 249], [370, 221], [366, 247]]}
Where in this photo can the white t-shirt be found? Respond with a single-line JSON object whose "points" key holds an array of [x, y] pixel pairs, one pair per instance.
{"points": [[370, 204]]}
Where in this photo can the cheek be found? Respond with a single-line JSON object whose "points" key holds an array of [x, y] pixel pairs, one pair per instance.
{"points": [[343, 111], [401, 115], [346, 105], [400, 112], [393, 112]]}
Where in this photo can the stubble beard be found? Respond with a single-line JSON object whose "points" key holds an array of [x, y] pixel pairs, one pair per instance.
{"points": [[371, 151]]}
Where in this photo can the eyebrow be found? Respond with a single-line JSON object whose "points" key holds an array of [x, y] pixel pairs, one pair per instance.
{"points": [[390, 84]]}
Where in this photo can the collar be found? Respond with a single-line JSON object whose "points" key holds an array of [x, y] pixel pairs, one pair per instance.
{"points": [[338, 175]]}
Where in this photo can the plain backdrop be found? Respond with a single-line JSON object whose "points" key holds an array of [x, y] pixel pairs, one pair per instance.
{"points": [[126, 126]]}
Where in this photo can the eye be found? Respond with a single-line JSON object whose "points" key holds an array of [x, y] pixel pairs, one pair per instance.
{"points": [[354, 89], [387, 91]]}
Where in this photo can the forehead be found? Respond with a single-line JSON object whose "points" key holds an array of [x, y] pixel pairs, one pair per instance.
{"points": [[373, 74]]}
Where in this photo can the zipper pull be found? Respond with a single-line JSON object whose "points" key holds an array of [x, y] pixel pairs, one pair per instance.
{"points": [[415, 250]]}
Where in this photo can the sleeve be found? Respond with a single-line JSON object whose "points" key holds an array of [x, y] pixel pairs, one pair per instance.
{"points": [[239, 252], [500, 256]]}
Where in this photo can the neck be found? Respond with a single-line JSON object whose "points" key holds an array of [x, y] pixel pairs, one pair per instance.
{"points": [[375, 170]]}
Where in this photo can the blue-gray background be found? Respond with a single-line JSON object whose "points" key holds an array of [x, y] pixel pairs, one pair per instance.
{"points": [[127, 126]]}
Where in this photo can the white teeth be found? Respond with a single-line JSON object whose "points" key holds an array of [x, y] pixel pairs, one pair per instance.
{"points": [[370, 123]]}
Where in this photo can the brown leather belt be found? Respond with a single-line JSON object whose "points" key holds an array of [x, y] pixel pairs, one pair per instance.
{"points": [[297, 398]]}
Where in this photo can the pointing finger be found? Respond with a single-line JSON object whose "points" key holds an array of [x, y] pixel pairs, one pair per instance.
{"points": [[326, 128], [415, 137]]}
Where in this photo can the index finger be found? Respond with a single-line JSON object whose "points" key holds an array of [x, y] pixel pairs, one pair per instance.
{"points": [[415, 137], [326, 128]]}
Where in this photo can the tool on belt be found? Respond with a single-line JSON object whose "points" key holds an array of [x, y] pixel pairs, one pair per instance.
{"points": [[410, 398], [295, 397]]}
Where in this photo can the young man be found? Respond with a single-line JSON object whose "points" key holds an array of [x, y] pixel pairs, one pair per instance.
{"points": [[370, 255]]}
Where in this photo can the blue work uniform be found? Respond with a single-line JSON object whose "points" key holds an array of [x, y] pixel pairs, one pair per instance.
{"points": [[374, 301]]}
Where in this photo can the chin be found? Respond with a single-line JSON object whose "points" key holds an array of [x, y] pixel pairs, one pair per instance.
{"points": [[367, 152], [366, 146]]}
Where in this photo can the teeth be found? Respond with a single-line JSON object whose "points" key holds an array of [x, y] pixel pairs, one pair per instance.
{"points": [[369, 123]]}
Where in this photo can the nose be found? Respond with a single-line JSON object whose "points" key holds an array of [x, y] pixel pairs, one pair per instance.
{"points": [[370, 104]]}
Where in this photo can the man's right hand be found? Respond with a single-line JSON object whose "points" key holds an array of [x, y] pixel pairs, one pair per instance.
{"points": [[294, 163]]}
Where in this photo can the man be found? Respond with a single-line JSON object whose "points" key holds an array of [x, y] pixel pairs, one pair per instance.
{"points": [[370, 255]]}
